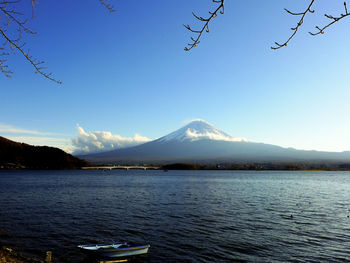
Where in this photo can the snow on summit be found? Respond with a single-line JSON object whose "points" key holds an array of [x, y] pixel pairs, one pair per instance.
{"points": [[199, 130]]}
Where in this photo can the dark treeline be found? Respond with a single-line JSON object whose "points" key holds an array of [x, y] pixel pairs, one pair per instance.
{"points": [[14, 155]]}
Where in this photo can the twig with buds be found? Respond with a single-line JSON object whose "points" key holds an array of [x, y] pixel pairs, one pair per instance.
{"points": [[196, 41], [296, 28], [334, 20]]}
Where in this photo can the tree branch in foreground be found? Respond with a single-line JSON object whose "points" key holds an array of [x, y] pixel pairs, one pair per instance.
{"points": [[319, 29], [35, 63], [12, 27], [3, 65], [295, 29], [196, 41], [334, 20], [108, 5]]}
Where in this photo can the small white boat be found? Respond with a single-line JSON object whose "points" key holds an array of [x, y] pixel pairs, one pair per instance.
{"points": [[115, 250]]}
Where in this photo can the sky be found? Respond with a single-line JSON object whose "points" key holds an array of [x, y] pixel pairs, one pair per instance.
{"points": [[126, 78]]}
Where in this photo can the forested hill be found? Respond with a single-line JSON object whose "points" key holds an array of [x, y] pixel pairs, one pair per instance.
{"points": [[14, 155]]}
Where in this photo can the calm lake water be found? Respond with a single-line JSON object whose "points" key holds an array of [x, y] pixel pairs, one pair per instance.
{"points": [[186, 216]]}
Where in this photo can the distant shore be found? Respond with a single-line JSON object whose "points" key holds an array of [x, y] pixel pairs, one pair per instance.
{"points": [[288, 166], [270, 166], [240, 166], [121, 167]]}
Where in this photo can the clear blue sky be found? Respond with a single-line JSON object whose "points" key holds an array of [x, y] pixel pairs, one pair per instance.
{"points": [[127, 73]]}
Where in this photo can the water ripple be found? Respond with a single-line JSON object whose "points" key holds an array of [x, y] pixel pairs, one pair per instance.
{"points": [[187, 216]]}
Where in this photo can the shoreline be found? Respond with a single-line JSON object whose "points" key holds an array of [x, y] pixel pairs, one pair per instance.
{"points": [[9, 255], [186, 169]]}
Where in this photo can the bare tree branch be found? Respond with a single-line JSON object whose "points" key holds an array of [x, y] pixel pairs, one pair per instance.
{"points": [[196, 41], [108, 5], [33, 2], [319, 29], [295, 29], [10, 15], [36, 64], [3, 64], [334, 20], [12, 26]]}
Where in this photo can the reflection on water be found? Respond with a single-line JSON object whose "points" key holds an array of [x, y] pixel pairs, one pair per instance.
{"points": [[186, 216]]}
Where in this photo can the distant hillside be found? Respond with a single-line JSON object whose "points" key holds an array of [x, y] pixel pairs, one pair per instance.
{"points": [[14, 155]]}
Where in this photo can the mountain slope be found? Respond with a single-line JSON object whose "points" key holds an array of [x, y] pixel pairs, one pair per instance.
{"points": [[201, 142], [21, 155]]}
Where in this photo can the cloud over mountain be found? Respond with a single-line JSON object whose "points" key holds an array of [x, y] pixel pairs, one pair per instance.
{"points": [[101, 141]]}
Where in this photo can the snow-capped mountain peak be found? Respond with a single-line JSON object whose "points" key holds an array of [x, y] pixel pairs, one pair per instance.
{"points": [[199, 130]]}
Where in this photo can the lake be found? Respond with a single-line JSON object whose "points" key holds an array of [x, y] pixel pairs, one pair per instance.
{"points": [[186, 216]]}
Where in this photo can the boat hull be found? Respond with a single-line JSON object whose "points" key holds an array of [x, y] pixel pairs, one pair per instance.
{"points": [[123, 253], [122, 250]]}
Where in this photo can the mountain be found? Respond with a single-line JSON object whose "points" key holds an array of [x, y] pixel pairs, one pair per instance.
{"points": [[201, 142], [20, 155]]}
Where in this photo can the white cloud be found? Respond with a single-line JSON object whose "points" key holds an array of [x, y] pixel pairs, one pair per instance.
{"points": [[9, 129], [5, 128], [100, 141]]}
